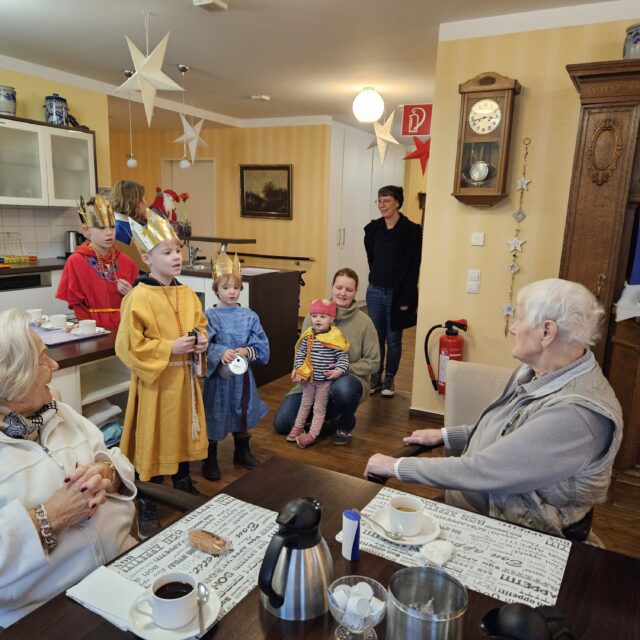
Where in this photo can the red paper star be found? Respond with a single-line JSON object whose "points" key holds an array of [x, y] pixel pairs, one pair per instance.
{"points": [[421, 151]]}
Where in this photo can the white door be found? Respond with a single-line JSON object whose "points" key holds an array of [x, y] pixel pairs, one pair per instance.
{"points": [[199, 182]]}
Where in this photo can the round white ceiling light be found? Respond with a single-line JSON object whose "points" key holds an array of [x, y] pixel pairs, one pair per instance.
{"points": [[368, 105]]}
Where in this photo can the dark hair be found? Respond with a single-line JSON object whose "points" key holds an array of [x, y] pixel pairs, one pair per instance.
{"points": [[395, 192], [126, 196], [347, 273]]}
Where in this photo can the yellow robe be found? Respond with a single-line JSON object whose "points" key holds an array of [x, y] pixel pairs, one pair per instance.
{"points": [[157, 432]]}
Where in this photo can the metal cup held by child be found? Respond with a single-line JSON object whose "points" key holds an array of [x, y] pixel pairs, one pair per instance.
{"points": [[237, 367]]}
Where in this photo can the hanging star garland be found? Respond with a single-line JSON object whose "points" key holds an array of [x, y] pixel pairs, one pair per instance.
{"points": [[191, 136], [148, 77], [383, 137], [421, 151], [515, 243]]}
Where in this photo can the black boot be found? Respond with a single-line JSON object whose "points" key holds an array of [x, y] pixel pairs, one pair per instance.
{"points": [[210, 468], [242, 454], [147, 518], [188, 486]]}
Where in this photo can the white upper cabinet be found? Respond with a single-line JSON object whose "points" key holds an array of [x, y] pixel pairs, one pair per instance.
{"points": [[42, 165]]}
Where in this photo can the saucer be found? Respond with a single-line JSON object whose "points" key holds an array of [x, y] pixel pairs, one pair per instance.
{"points": [[430, 529], [99, 331], [143, 626], [47, 326]]}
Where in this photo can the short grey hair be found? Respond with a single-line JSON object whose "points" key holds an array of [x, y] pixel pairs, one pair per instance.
{"points": [[570, 305], [19, 356]]}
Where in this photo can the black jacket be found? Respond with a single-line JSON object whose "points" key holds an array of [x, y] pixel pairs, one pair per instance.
{"points": [[407, 269]]}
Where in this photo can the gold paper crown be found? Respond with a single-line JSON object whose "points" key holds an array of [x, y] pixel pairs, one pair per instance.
{"points": [[153, 233], [224, 265], [96, 213]]}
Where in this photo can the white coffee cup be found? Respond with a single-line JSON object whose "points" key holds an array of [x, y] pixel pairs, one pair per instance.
{"points": [[169, 602], [34, 314], [87, 327], [58, 320], [405, 515]]}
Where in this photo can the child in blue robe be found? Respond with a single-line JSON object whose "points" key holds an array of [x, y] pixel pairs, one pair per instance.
{"points": [[232, 404]]}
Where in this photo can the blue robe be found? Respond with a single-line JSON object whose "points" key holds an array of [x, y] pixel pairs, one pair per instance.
{"points": [[231, 328]]}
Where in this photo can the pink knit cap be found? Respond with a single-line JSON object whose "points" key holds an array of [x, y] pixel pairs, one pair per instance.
{"points": [[320, 305]]}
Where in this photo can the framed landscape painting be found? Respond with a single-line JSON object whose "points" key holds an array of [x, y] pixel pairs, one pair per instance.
{"points": [[265, 191]]}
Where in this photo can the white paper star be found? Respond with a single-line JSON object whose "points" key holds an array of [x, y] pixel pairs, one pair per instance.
{"points": [[148, 76], [522, 184], [515, 244], [513, 268], [508, 310], [383, 137], [191, 137]]}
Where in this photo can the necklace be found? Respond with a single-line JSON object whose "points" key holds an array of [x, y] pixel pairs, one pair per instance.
{"points": [[174, 308], [106, 262]]}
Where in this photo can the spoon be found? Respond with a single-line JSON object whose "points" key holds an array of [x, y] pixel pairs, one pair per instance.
{"points": [[202, 597], [394, 535]]}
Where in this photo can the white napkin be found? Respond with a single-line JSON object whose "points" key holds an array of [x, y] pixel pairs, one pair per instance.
{"points": [[437, 551], [108, 594]]}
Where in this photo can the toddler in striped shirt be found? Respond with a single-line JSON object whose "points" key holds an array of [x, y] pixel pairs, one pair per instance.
{"points": [[322, 355]]}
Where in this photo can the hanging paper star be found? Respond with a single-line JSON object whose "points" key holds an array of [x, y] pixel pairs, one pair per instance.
{"points": [[515, 244], [191, 136], [519, 215], [508, 310], [148, 76], [421, 151], [513, 267], [522, 184], [383, 137]]}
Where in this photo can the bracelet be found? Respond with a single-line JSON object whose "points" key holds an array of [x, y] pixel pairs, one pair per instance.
{"points": [[110, 466], [46, 530]]}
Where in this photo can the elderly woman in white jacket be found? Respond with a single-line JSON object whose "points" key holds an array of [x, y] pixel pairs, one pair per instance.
{"points": [[65, 499]]}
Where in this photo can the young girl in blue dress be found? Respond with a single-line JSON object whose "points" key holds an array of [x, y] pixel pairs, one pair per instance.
{"points": [[232, 404]]}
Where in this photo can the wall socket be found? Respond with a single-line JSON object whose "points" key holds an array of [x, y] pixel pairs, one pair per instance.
{"points": [[477, 239]]}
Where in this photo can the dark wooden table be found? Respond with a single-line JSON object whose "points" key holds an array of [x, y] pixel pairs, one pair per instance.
{"points": [[600, 592]]}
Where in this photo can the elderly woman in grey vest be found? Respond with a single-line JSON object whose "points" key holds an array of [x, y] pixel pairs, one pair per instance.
{"points": [[541, 454]]}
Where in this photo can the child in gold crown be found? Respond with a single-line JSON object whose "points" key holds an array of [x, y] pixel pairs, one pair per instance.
{"points": [[164, 424], [322, 355], [232, 404]]}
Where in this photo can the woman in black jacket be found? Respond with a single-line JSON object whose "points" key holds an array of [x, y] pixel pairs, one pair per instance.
{"points": [[394, 249]]}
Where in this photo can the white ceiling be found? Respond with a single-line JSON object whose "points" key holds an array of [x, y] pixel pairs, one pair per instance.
{"points": [[310, 56]]}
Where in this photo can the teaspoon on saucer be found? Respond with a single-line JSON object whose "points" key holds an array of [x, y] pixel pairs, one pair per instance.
{"points": [[202, 597], [394, 535]]}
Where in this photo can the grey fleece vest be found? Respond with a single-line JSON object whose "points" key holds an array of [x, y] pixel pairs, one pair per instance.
{"points": [[554, 507]]}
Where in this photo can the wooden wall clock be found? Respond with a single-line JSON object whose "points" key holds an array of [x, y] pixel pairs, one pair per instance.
{"points": [[486, 117]]}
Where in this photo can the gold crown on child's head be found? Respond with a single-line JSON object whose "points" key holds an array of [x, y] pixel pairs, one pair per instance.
{"points": [[224, 266], [96, 213], [157, 230]]}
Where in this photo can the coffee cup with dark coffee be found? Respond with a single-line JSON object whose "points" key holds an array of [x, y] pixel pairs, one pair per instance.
{"points": [[171, 601], [406, 515]]}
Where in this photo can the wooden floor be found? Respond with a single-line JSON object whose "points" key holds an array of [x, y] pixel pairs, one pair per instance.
{"points": [[381, 423]]}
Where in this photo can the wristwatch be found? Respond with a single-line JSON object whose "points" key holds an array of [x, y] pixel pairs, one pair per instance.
{"points": [[112, 469], [46, 530]]}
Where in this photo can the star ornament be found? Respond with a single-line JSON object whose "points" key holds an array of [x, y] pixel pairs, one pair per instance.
{"points": [[508, 310], [148, 77], [523, 184], [383, 137], [421, 151], [515, 244], [191, 136]]}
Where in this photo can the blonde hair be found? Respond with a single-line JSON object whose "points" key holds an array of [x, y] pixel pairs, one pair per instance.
{"points": [[222, 280], [19, 356], [126, 197], [570, 305]]}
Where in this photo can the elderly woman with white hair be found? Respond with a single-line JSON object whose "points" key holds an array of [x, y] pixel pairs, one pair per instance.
{"points": [[541, 454], [65, 499]]}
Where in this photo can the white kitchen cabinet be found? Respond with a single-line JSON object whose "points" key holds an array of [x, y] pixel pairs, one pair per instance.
{"points": [[55, 305], [45, 165]]}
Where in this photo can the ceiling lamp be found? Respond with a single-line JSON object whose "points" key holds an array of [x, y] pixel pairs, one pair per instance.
{"points": [[368, 105], [132, 163], [184, 163]]}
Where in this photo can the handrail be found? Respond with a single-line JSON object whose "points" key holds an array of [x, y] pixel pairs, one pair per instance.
{"points": [[265, 255]]}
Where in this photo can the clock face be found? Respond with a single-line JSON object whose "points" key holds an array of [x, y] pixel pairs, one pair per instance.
{"points": [[484, 116]]}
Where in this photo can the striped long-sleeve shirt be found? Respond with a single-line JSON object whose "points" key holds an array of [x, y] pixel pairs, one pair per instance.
{"points": [[322, 357]]}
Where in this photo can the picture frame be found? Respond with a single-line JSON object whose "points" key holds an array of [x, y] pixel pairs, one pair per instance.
{"points": [[265, 191]]}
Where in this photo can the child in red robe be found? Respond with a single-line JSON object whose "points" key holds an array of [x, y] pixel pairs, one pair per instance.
{"points": [[97, 276]]}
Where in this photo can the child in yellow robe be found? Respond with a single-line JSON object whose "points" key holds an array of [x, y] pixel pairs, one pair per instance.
{"points": [[165, 424]]}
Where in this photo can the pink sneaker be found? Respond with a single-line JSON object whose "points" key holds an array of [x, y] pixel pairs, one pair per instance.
{"points": [[295, 433], [306, 440]]}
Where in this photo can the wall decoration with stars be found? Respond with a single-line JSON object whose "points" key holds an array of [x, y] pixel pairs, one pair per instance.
{"points": [[383, 137], [421, 152], [515, 243]]}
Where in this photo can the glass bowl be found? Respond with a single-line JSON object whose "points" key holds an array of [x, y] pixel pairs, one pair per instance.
{"points": [[352, 624]]}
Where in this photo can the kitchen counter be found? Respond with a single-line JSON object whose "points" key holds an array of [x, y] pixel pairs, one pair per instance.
{"points": [[44, 265], [82, 351]]}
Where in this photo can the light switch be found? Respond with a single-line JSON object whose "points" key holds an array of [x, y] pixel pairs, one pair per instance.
{"points": [[477, 239], [473, 275]]}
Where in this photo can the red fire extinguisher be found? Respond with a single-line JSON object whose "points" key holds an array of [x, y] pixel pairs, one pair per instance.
{"points": [[451, 347]]}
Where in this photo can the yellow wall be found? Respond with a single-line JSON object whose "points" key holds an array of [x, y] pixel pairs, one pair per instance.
{"points": [[306, 148], [414, 182], [88, 107], [546, 111]]}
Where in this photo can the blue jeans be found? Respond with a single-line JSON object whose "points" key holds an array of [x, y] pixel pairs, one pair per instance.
{"points": [[379, 300], [344, 398]]}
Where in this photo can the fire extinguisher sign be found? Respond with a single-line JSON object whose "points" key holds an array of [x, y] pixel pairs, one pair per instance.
{"points": [[416, 120]]}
